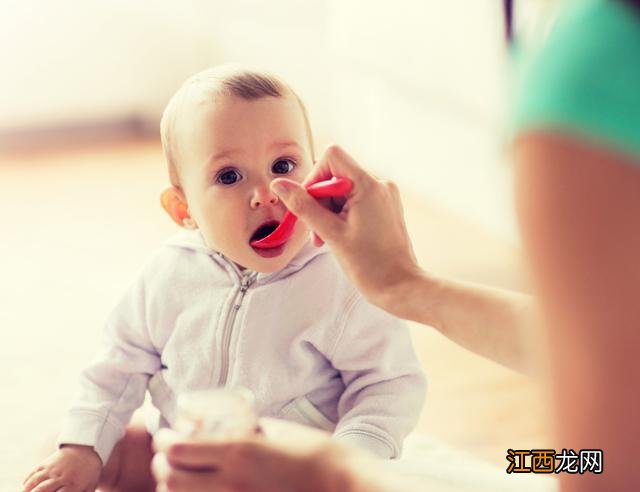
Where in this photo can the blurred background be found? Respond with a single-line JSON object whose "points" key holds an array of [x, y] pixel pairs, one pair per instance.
{"points": [[415, 89]]}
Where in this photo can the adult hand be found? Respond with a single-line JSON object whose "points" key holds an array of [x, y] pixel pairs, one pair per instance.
{"points": [[286, 457], [368, 236]]}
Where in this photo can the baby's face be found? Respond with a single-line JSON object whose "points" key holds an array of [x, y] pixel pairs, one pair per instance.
{"points": [[230, 151]]}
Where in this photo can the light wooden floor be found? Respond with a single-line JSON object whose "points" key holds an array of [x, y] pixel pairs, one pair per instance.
{"points": [[79, 223]]}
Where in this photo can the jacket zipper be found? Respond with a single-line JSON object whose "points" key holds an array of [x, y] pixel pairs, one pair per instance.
{"points": [[246, 281]]}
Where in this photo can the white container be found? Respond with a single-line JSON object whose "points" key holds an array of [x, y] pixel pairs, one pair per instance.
{"points": [[221, 413]]}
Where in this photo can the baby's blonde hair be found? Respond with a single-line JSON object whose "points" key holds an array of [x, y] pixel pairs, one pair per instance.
{"points": [[223, 80]]}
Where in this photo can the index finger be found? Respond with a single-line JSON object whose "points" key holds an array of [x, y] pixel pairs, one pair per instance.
{"points": [[211, 454], [182, 451], [335, 161]]}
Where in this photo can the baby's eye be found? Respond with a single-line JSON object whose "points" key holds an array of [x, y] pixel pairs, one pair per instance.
{"points": [[283, 166], [228, 177]]}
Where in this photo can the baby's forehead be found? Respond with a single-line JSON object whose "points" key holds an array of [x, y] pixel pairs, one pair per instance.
{"points": [[201, 111], [204, 121], [196, 109]]}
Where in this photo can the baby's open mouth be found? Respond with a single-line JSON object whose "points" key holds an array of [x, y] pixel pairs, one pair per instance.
{"points": [[264, 230]]}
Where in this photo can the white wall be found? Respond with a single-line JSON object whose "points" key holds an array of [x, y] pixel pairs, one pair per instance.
{"points": [[67, 61], [420, 87]]}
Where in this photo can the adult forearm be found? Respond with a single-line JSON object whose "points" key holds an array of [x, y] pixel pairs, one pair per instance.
{"points": [[491, 322]]}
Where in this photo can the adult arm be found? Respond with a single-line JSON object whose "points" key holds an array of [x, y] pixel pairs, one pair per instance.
{"points": [[579, 207]]}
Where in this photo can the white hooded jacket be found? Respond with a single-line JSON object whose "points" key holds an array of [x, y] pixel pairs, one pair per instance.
{"points": [[303, 339]]}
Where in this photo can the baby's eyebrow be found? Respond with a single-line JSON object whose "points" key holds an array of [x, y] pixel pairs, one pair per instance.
{"points": [[286, 143], [223, 154]]}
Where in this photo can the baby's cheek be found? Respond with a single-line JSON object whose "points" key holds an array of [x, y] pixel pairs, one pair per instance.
{"points": [[219, 229], [211, 239]]}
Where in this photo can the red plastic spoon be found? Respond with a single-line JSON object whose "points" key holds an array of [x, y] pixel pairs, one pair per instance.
{"points": [[333, 187]]}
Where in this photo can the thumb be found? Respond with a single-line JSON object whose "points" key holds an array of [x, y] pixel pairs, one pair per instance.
{"points": [[321, 220]]}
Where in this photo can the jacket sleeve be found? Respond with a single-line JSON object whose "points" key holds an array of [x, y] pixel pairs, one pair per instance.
{"points": [[385, 385], [114, 384]]}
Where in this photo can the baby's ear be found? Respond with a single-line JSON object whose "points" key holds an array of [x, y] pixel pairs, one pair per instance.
{"points": [[175, 204]]}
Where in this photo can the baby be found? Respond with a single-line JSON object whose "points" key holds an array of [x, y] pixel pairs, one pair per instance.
{"points": [[209, 310]]}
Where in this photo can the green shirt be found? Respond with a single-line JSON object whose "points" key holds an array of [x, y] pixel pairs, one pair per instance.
{"points": [[585, 78]]}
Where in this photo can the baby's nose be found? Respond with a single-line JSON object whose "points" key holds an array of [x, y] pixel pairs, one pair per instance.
{"points": [[263, 196]]}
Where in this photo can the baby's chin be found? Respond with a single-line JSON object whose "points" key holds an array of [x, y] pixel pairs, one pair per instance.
{"points": [[264, 260], [269, 266], [274, 259]]}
